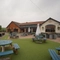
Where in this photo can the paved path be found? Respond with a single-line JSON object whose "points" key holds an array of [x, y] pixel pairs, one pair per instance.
{"points": [[29, 36], [55, 40]]}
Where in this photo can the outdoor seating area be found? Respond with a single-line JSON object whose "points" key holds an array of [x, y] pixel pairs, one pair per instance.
{"points": [[54, 55], [6, 53], [40, 38], [58, 49], [28, 51], [13, 35], [13, 48], [29, 30]]}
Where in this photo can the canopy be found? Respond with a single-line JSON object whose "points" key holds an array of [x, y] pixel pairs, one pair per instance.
{"points": [[29, 29], [38, 30]]}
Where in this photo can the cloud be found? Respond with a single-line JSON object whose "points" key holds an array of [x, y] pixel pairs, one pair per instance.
{"points": [[28, 10]]}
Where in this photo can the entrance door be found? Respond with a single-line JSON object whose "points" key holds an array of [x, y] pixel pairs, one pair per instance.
{"points": [[47, 35]]}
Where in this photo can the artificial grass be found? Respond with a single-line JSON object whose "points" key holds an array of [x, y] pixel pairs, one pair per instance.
{"points": [[30, 50]]}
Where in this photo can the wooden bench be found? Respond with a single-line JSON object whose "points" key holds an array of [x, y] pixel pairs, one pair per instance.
{"points": [[6, 53], [53, 54], [15, 48]]}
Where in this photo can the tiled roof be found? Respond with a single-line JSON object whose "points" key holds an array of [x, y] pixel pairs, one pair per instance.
{"points": [[29, 23], [32, 23]]}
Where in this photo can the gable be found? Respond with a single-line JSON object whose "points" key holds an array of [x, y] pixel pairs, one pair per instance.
{"points": [[51, 21], [12, 25]]}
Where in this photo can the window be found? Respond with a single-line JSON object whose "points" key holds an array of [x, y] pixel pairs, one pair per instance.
{"points": [[58, 28], [42, 28], [50, 28]]}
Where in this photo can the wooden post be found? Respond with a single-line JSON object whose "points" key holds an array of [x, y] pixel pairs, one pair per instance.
{"points": [[2, 48], [25, 30]]}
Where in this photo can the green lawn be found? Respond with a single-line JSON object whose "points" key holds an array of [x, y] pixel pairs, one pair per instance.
{"points": [[33, 51]]}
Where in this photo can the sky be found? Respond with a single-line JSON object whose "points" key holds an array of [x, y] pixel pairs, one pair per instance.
{"points": [[28, 11]]}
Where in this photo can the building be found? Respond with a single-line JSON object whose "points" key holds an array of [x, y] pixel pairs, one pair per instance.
{"points": [[23, 27], [50, 27]]}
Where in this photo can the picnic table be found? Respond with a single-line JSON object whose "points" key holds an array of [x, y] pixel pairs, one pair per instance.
{"points": [[14, 35], [4, 43], [54, 55], [4, 52], [58, 49], [39, 38]]}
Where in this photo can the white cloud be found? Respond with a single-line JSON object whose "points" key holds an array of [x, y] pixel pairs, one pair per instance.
{"points": [[28, 10]]}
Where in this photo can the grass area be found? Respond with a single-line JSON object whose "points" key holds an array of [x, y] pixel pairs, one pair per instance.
{"points": [[33, 51], [4, 37]]}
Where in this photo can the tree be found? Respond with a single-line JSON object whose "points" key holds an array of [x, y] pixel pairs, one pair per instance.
{"points": [[0, 27], [4, 29]]}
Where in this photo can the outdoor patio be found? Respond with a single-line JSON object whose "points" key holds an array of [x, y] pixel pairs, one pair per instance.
{"points": [[32, 36], [32, 51]]}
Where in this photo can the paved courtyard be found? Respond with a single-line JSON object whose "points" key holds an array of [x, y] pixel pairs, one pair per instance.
{"points": [[23, 37], [31, 36], [55, 40]]}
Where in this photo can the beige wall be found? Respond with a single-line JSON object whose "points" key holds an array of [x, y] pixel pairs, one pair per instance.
{"points": [[50, 22]]}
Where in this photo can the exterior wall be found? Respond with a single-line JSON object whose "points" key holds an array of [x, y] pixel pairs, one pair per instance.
{"points": [[57, 31], [12, 26], [50, 22]]}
